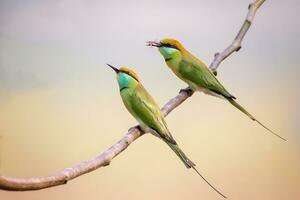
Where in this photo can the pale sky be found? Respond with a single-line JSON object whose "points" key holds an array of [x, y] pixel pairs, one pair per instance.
{"points": [[99, 31]]}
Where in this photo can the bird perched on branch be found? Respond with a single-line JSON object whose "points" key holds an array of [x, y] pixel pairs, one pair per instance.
{"points": [[195, 73], [144, 109]]}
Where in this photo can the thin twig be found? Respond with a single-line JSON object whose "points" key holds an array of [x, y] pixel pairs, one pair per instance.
{"points": [[105, 158], [236, 45]]}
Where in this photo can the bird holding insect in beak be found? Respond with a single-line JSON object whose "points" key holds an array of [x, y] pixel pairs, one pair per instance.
{"points": [[143, 108], [196, 73]]}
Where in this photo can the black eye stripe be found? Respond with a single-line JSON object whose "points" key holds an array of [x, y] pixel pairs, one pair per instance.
{"points": [[129, 74], [170, 46]]}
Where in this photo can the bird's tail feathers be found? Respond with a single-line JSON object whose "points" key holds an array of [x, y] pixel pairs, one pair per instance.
{"points": [[213, 187], [190, 164], [238, 106], [187, 162]]}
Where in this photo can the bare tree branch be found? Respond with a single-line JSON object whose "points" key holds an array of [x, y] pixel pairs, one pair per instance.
{"points": [[237, 42], [104, 159]]}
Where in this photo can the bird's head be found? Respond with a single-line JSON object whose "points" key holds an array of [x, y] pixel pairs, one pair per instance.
{"points": [[169, 48], [126, 77]]}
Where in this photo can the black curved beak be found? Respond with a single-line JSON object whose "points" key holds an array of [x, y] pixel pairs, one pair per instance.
{"points": [[153, 44], [114, 68]]}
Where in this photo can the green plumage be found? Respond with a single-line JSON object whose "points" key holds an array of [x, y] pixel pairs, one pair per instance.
{"points": [[143, 107], [145, 110], [196, 74], [199, 77]]}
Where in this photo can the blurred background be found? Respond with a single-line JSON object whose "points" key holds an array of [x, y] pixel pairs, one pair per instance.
{"points": [[60, 104]]}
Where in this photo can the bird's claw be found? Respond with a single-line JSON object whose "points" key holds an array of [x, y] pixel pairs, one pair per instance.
{"points": [[187, 90], [135, 127]]}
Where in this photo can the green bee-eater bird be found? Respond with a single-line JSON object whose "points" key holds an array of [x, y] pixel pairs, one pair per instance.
{"points": [[144, 109], [195, 73]]}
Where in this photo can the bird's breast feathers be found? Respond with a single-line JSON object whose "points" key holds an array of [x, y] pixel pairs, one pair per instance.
{"points": [[144, 109]]}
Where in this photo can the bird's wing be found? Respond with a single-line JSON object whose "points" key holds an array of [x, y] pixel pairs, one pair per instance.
{"points": [[198, 73], [146, 109]]}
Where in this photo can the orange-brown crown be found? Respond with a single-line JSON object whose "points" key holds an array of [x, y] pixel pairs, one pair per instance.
{"points": [[172, 42], [129, 72]]}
